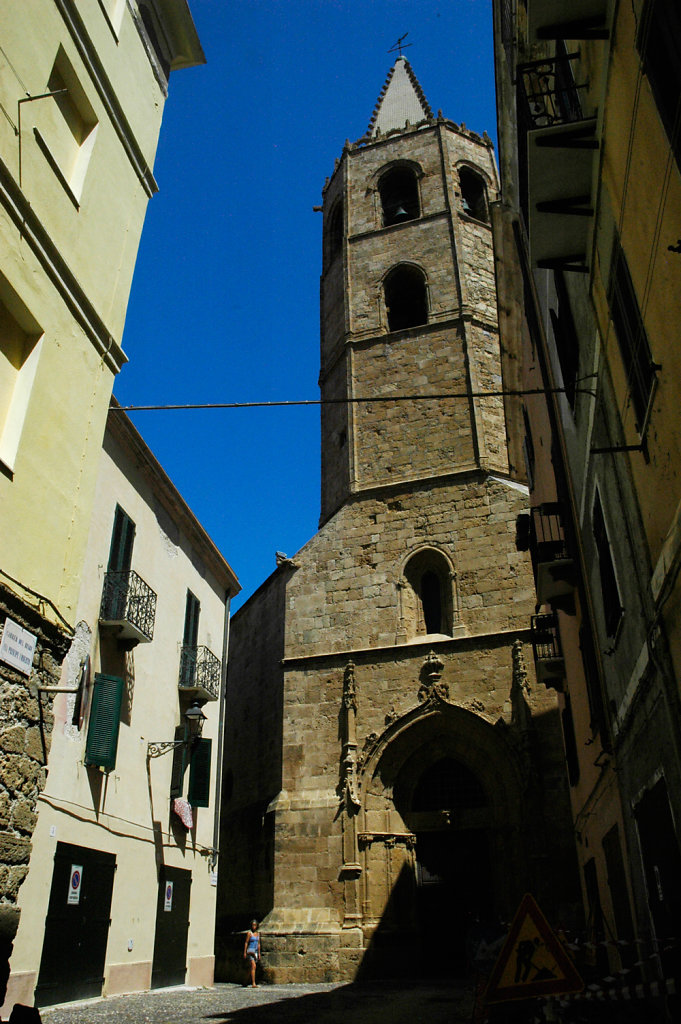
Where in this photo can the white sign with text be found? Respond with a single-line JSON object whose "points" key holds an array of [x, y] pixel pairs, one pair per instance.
{"points": [[17, 646]]}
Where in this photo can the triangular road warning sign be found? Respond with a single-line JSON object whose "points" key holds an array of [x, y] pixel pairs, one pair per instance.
{"points": [[532, 962]]}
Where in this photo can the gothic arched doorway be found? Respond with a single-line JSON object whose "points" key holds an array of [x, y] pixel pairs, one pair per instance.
{"points": [[440, 838], [449, 815]]}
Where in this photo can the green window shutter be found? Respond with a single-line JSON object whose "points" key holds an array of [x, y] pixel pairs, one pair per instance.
{"points": [[199, 774], [105, 720], [179, 763]]}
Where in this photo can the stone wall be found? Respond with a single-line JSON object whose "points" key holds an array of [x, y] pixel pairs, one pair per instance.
{"points": [[25, 734]]}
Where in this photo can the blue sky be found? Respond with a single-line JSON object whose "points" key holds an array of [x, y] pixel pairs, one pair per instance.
{"points": [[225, 300]]}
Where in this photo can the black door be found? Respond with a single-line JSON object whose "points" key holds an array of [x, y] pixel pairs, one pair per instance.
{"points": [[453, 890], [77, 925], [662, 866], [172, 925]]}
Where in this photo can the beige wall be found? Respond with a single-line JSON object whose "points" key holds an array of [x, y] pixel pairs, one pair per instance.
{"points": [[118, 811]]}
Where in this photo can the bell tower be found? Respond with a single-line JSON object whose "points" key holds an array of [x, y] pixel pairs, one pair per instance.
{"points": [[408, 764], [408, 303]]}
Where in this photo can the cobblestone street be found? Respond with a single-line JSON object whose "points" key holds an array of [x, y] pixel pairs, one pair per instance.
{"points": [[287, 1004]]}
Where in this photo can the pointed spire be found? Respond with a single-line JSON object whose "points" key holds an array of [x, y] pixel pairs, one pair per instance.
{"points": [[401, 99]]}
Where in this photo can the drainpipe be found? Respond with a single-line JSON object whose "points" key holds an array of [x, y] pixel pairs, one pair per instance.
{"points": [[221, 730]]}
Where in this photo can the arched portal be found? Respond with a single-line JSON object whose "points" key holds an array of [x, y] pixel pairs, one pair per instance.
{"points": [[442, 839]]}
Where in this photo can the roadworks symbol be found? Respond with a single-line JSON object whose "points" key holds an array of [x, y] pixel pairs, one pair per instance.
{"points": [[533, 962]]}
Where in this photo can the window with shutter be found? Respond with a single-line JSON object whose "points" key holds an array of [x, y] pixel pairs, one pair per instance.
{"points": [[122, 539], [179, 762], [105, 720], [199, 774], [612, 605]]}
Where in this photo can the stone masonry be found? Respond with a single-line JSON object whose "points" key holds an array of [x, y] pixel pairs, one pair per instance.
{"points": [[25, 735], [389, 757]]}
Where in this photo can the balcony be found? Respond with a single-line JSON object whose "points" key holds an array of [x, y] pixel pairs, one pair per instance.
{"points": [[128, 607], [554, 568], [200, 673], [548, 653], [557, 160]]}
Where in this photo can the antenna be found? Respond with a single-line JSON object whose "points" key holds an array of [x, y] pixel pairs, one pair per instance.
{"points": [[400, 45]]}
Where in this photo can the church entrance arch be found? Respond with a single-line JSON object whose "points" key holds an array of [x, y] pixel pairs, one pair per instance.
{"points": [[446, 789]]}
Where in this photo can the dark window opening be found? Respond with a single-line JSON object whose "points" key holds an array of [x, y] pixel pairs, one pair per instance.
{"points": [[399, 196], [335, 233], [199, 774], [631, 335], [431, 599], [405, 298], [612, 606], [191, 620], [565, 337], [571, 757], [342, 438], [528, 450], [122, 539], [473, 194], [592, 679], [659, 43], [448, 785]]}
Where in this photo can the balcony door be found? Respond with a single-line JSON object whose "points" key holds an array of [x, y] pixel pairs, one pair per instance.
{"points": [[120, 560]]}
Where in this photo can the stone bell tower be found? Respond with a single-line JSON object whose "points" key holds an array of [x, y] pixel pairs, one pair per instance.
{"points": [[389, 756], [409, 302]]}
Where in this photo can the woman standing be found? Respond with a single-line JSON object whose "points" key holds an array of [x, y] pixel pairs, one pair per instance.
{"points": [[252, 948]]}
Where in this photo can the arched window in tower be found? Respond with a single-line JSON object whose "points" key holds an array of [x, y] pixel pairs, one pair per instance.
{"points": [[428, 595], [473, 194], [406, 299], [399, 192], [334, 233]]}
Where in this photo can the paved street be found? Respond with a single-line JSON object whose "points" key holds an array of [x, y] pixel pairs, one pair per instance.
{"points": [[287, 1004]]}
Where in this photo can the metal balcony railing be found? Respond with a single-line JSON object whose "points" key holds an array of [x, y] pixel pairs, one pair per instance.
{"points": [[200, 672], [545, 638], [129, 603], [548, 93]]}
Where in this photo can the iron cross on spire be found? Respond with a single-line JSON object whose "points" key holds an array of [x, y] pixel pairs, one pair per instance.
{"points": [[400, 44]]}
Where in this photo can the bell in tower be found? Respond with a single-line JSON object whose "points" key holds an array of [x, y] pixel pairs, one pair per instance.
{"points": [[386, 740]]}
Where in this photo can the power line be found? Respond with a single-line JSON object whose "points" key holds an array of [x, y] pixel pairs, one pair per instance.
{"points": [[513, 393]]}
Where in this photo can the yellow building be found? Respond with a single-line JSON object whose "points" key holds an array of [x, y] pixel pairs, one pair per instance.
{"points": [[121, 892], [82, 89], [589, 99]]}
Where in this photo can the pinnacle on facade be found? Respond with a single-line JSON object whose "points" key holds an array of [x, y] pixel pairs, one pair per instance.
{"points": [[401, 99]]}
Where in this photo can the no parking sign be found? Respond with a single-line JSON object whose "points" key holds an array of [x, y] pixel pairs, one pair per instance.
{"points": [[75, 882], [168, 905]]}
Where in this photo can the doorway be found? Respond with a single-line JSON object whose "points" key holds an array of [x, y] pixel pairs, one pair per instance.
{"points": [[77, 925], [172, 925], [449, 815]]}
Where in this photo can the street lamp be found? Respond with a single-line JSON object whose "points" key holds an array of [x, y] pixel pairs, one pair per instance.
{"points": [[194, 719]]}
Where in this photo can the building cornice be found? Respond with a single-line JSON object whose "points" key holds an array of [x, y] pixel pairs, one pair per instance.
{"points": [[359, 655], [57, 270], [120, 428]]}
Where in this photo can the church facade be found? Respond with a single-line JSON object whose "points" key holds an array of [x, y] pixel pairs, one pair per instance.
{"points": [[392, 767]]}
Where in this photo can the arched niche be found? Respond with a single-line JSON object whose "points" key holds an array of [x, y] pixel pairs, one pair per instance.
{"points": [[398, 190], [429, 604], [406, 297], [474, 200], [333, 241]]}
